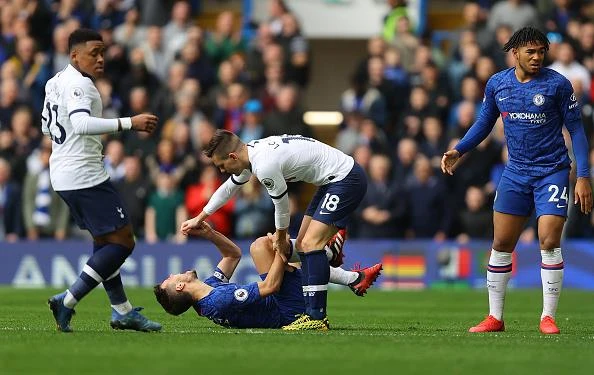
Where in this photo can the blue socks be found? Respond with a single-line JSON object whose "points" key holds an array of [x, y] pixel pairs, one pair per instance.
{"points": [[316, 274], [102, 265]]}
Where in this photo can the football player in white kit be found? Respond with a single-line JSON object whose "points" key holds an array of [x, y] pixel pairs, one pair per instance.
{"points": [[71, 118], [275, 161]]}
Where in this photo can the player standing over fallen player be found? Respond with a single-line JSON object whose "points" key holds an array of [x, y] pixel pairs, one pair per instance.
{"points": [[275, 161], [71, 118], [535, 103]]}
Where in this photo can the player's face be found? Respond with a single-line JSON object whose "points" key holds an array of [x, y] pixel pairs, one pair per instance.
{"points": [[530, 57], [185, 277], [89, 58], [230, 164]]}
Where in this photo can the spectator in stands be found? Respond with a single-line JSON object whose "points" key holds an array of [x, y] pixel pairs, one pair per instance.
{"points": [[392, 97], [362, 154], [376, 47], [156, 56], [382, 212], [25, 140], [198, 64], [296, 51], [45, 214], [476, 220], [130, 34], [429, 211], [475, 21], [163, 101], [165, 212], [221, 43], [9, 101], [114, 160], [413, 116], [10, 205], [134, 189], [276, 10], [406, 154], [397, 11], [252, 127], [557, 18], [60, 57], [198, 194], [585, 48], [253, 211], [174, 33], [434, 143], [516, 13], [366, 100], [566, 65], [112, 105], [229, 115], [287, 118], [254, 55], [33, 70], [405, 41]]}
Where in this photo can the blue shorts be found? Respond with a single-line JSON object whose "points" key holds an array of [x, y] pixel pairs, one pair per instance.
{"points": [[289, 299], [98, 209], [333, 203], [519, 195]]}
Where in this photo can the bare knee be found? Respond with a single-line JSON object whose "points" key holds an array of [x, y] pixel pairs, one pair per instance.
{"points": [[549, 243], [504, 245], [260, 245], [123, 237], [311, 244]]}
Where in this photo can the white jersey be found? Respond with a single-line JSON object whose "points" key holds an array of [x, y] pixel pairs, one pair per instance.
{"points": [[277, 160], [76, 161]]}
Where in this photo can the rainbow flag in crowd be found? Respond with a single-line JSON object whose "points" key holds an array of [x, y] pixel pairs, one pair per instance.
{"points": [[404, 271]]}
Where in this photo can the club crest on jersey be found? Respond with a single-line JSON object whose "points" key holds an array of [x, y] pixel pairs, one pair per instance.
{"points": [[77, 93], [268, 182], [240, 295], [538, 99]]}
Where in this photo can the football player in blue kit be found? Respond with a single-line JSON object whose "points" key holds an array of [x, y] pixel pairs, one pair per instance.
{"points": [[534, 103], [275, 161], [271, 303]]}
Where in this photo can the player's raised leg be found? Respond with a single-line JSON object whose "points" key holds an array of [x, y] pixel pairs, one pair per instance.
{"points": [[507, 230], [550, 228]]}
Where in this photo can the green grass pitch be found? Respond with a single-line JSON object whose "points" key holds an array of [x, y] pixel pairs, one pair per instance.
{"points": [[382, 333]]}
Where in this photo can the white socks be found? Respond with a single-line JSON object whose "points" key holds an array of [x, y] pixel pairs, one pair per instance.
{"points": [[498, 274], [69, 300], [551, 274], [342, 277], [123, 308]]}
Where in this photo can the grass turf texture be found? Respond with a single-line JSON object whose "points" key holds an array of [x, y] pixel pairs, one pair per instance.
{"points": [[382, 333]]}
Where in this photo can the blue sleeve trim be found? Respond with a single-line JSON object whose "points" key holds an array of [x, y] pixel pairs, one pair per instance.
{"points": [[79, 110]]}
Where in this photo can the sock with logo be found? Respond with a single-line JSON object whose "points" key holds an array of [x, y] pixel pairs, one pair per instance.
{"points": [[317, 283], [498, 275], [551, 274]]}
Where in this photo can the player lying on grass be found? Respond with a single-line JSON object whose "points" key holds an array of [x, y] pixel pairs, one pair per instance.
{"points": [[273, 302]]}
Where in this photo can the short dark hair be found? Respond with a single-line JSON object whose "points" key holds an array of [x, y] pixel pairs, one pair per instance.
{"points": [[79, 36], [524, 36], [222, 143], [173, 303]]}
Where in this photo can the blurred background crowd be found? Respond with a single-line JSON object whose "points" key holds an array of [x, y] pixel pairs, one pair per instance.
{"points": [[409, 99]]}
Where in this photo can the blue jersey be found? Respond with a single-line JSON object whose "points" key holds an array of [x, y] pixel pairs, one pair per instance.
{"points": [[237, 306], [533, 115]]}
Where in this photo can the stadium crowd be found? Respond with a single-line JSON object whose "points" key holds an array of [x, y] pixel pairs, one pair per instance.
{"points": [[407, 101]]}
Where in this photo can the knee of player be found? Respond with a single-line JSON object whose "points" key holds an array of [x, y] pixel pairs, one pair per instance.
{"points": [[503, 245], [549, 243], [310, 244], [260, 245]]}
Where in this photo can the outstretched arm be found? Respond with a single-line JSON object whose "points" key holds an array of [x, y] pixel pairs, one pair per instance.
{"points": [[218, 199], [231, 252]]}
